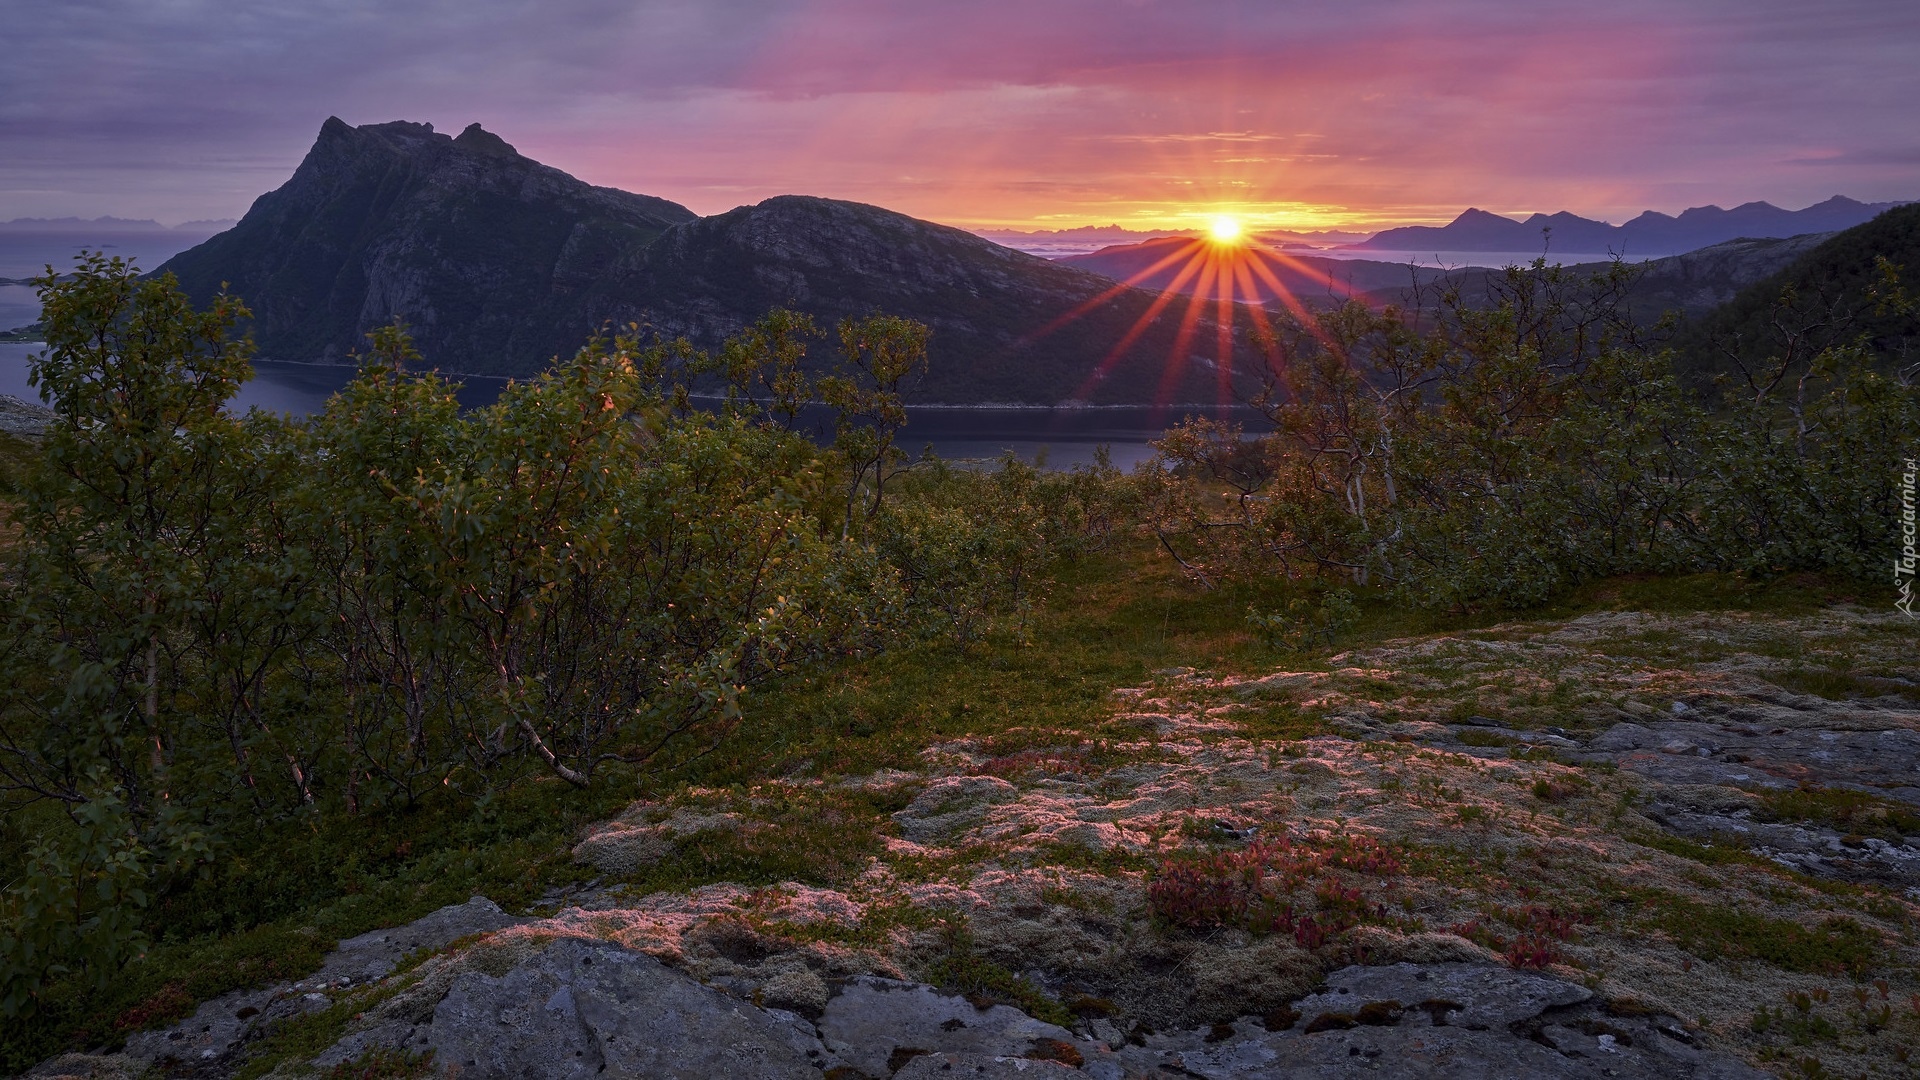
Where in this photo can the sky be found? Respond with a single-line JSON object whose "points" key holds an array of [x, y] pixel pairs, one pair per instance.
{"points": [[1026, 114]]}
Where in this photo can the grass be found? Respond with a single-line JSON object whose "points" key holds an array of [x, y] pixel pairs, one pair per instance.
{"points": [[1036, 699], [961, 967], [1837, 945], [271, 913], [1843, 685], [811, 836], [1856, 813]]}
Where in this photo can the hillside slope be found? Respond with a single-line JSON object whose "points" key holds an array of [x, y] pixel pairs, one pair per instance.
{"points": [[498, 263], [1823, 295]]}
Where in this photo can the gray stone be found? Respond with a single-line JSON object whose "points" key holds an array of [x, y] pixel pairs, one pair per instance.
{"points": [[1778, 750], [25, 419], [218, 1028], [952, 804], [86, 1067], [585, 1009], [982, 1067], [412, 1038], [1810, 849], [1439, 1020], [1476, 996], [872, 1019], [372, 955]]}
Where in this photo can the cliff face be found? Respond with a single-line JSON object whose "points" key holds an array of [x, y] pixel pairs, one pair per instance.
{"points": [[475, 247], [498, 263]]}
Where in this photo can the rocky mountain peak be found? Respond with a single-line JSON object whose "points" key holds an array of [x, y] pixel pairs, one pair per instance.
{"points": [[481, 141]]}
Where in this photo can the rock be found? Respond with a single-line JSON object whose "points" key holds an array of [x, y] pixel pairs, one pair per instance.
{"points": [[874, 1019], [1781, 750], [219, 1027], [624, 846], [372, 955], [950, 805], [25, 419], [980, 1067], [1439, 1020], [209, 1037], [86, 1067], [1478, 996], [580, 1009], [1809, 849]]}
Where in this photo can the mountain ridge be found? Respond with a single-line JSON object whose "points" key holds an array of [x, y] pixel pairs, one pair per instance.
{"points": [[498, 263], [1648, 233]]}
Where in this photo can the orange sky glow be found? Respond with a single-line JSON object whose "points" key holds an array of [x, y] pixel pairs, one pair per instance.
{"points": [[1150, 114]]}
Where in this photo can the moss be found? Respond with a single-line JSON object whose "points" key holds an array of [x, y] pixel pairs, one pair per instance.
{"points": [[1710, 854], [1472, 737], [299, 1038], [1853, 812], [812, 836], [961, 967], [1837, 945], [384, 1063]]}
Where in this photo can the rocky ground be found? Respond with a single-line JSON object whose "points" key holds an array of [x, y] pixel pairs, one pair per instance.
{"points": [[1623, 844], [26, 419]]}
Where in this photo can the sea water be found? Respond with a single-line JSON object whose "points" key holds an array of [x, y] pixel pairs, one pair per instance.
{"points": [[1061, 438]]}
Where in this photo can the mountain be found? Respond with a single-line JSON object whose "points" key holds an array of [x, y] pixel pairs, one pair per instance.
{"points": [[1692, 284], [1826, 295], [1159, 264], [109, 225], [1650, 233], [1058, 243], [481, 251], [498, 263]]}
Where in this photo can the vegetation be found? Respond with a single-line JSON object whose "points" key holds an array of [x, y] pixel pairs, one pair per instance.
{"points": [[1503, 455], [219, 625], [273, 682]]}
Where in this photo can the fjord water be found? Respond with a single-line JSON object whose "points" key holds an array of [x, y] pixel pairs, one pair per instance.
{"points": [[1066, 437]]}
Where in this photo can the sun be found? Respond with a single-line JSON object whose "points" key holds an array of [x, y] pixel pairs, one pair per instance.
{"points": [[1224, 229]]}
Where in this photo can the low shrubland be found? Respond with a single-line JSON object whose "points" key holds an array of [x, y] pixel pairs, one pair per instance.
{"points": [[274, 682]]}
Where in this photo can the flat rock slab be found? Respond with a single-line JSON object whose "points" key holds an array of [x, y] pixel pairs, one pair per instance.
{"points": [[951, 805], [1439, 1020], [1423, 1052], [371, 956], [1885, 761], [1472, 996], [1810, 849], [977, 1067], [593, 1009], [874, 1024], [205, 1040]]}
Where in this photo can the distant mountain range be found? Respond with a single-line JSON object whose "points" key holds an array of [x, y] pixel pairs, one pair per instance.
{"points": [[1651, 233], [1692, 284], [498, 263], [109, 225], [1176, 262], [1088, 238]]}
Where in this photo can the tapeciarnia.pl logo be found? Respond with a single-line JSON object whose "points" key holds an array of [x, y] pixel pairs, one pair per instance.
{"points": [[1904, 563]]}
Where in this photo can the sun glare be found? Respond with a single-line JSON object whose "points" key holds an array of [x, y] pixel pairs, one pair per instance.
{"points": [[1223, 229]]}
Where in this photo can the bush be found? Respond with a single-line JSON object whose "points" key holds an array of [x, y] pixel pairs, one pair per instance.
{"points": [[1462, 457]]}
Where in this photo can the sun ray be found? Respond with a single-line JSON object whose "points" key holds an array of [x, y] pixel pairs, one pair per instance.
{"points": [[1223, 330], [1185, 250], [1139, 327], [1183, 340]]}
